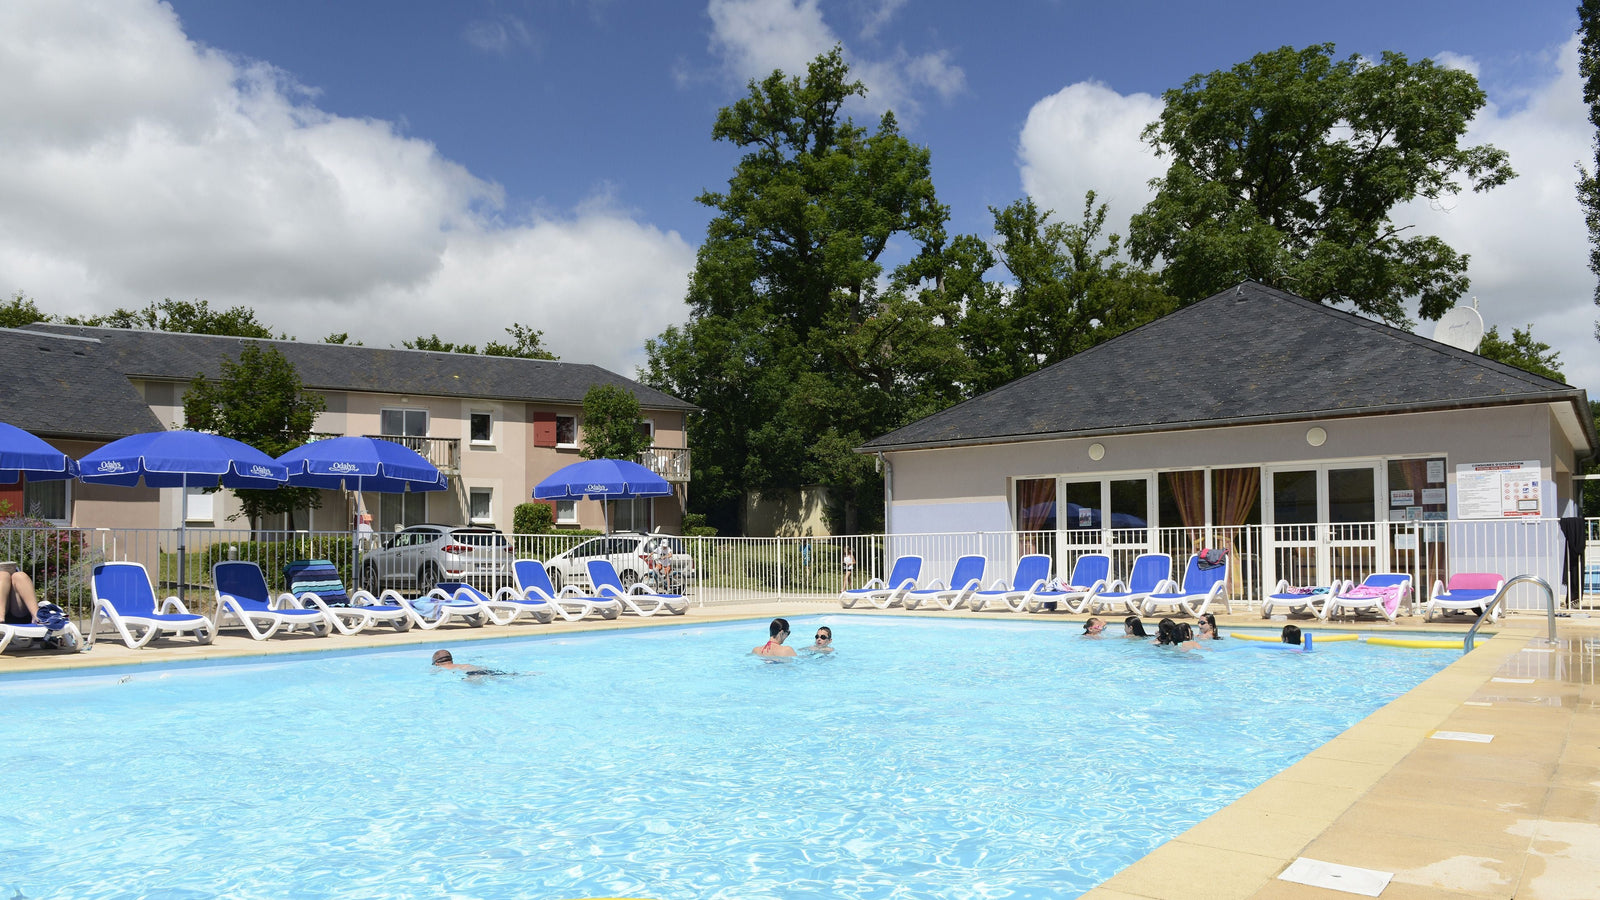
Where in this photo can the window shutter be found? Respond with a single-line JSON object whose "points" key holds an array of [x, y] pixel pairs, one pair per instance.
{"points": [[544, 429]]}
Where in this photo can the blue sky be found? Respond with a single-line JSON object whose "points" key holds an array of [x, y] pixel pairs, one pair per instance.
{"points": [[400, 168]]}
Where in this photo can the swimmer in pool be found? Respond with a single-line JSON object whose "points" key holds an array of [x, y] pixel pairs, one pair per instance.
{"points": [[1094, 627], [1208, 628], [1133, 627], [774, 648], [1291, 634], [823, 641], [443, 660]]}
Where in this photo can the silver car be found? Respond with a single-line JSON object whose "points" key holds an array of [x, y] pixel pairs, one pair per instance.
{"points": [[659, 560], [423, 555]]}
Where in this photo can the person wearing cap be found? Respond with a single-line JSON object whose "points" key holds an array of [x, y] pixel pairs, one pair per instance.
{"points": [[444, 660]]}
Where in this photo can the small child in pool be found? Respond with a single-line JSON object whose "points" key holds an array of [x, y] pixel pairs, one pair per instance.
{"points": [[1291, 634]]}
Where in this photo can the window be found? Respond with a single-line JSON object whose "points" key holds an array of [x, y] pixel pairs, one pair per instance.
{"points": [[1417, 489], [403, 422], [480, 504], [482, 428], [47, 500], [647, 428], [566, 431], [401, 509], [566, 512], [631, 515], [1036, 504], [200, 506]]}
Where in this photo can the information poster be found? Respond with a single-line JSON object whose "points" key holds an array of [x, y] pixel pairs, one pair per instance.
{"points": [[1498, 490]]}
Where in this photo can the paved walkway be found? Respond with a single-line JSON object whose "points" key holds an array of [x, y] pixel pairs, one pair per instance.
{"points": [[1517, 816]]}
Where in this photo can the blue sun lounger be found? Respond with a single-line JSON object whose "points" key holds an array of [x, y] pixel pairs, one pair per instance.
{"points": [[60, 633], [965, 578], [243, 598], [533, 586], [317, 583], [1202, 586], [1031, 577], [1468, 592], [641, 599], [125, 600], [1151, 572], [886, 592], [1091, 574]]}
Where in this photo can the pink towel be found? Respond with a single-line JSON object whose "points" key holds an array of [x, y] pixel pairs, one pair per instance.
{"points": [[1390, 594]]}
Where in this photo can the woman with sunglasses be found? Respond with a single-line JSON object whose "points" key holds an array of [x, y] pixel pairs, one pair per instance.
{"points": [[1208, 628], [824, 641]]}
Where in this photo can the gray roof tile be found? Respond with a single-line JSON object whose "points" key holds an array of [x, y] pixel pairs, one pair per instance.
{"points": [[344, 367], [1249, 354], [67, 388]]}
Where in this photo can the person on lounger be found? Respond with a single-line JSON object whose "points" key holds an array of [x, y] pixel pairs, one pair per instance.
{"points": [[779, 631], [22, 604], [1094, 627], [1133, 627]]}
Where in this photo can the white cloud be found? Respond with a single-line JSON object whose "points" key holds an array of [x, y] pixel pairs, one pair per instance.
{"points": [[753, 37], [139, 165], [1527, 241], [1086, 137], [499, 35]]}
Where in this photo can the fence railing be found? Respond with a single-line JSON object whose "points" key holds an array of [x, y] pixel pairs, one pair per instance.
{"points": [[731, 569], [671, 463], [444, 453]]}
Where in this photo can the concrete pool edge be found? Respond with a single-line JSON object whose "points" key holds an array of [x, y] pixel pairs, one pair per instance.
{"points": [[1309, 808]]}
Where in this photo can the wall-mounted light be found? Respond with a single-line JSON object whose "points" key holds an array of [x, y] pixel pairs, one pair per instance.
{"points": [[1316, 436], [1097, 452]]}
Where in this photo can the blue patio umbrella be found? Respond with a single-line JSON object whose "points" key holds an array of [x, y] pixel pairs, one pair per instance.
{"points": [[602, 479], [181, 459], [361, 464], [21, 453]]}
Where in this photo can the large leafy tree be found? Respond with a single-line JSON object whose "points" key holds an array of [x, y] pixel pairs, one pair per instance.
{"points": [[1589, 179], [611, 423], [796, 347], [1286, 169], [189, 316], [261, 401], [1522, 351], [525, 342], [1071, 289]]}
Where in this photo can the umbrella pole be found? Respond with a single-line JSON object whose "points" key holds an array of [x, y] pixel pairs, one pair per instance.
{"points": [[183, 534]]}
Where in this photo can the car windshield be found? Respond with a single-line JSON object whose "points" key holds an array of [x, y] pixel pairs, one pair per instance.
{"points": [[479, 537]]}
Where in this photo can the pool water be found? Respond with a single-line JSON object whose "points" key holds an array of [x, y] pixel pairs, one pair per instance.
{"points": [[922, 759]]}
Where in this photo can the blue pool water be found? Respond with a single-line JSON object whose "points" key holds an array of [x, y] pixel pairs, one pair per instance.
{"points": [[924, 759]]}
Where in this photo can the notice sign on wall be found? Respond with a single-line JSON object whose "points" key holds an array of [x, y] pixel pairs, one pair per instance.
{"points": [[1498, 490]]}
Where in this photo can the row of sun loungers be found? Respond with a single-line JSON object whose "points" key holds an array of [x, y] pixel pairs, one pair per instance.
{"points": [[1090, 588], [1150, 590], [125, 603]]}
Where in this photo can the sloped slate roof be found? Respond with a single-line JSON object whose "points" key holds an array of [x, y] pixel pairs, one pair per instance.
{"points": [[343, 367], [67, 388], [1250, 354]]}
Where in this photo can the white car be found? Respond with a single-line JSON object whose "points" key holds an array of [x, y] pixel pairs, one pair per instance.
{"points": [[659, 560], [424, 555]]}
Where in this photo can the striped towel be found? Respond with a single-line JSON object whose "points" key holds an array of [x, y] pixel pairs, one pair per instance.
{"points": [[316, 576]]}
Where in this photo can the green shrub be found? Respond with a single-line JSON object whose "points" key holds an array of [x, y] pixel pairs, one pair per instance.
{"points": [[694, 525], [533, 518]]}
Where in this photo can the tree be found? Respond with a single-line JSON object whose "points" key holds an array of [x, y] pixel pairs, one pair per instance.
{"points": [[525, 343], [611, 424], [20, 311], [1521, 351], [1286, 169], [190, 317], [1071, 291], [794, 348], [341, 337], [258, 400], [1589, 181]]}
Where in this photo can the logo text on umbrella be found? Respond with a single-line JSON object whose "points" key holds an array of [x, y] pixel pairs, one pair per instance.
{"points": [[110, 465], [343, 468]]}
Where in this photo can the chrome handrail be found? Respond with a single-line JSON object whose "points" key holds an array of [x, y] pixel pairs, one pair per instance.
{"points": [[1499, 598]]}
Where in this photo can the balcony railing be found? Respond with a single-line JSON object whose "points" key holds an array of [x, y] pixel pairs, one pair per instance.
{"points": [[671, 463], [444, 453]]}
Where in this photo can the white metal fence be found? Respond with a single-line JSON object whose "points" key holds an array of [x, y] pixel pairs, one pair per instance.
{"points": [[731, 569]]}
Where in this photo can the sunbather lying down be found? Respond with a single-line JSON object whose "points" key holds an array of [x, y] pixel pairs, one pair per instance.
{"points": [[22, 604]]}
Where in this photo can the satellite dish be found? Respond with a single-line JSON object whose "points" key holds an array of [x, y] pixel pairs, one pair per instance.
{"points": [[1461, 327]]}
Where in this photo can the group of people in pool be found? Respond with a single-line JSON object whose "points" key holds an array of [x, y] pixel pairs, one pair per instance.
{"points": [[778, 633], [1168, 632]]}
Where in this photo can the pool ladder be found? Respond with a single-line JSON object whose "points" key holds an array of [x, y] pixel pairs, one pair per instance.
{"points": [[1499, 599]]}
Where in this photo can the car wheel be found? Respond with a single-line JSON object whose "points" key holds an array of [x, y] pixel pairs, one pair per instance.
{"points": [[555, 577], [629, 578], [369, 577], [427, 578]]}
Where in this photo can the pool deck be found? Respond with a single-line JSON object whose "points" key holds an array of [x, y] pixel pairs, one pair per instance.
{"points": [[1517, 816]]}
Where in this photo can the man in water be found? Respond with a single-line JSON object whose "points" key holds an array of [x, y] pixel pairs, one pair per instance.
{"points": [[444, 660], [824, 641]]}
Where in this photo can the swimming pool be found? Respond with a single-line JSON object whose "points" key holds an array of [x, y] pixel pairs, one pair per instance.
{"points": [[925, 759]]}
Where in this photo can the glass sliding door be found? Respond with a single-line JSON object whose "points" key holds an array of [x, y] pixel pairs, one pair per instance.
{"points": [[1352, 518], [1036, 515], [1294, 502], [1323, 523]]}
